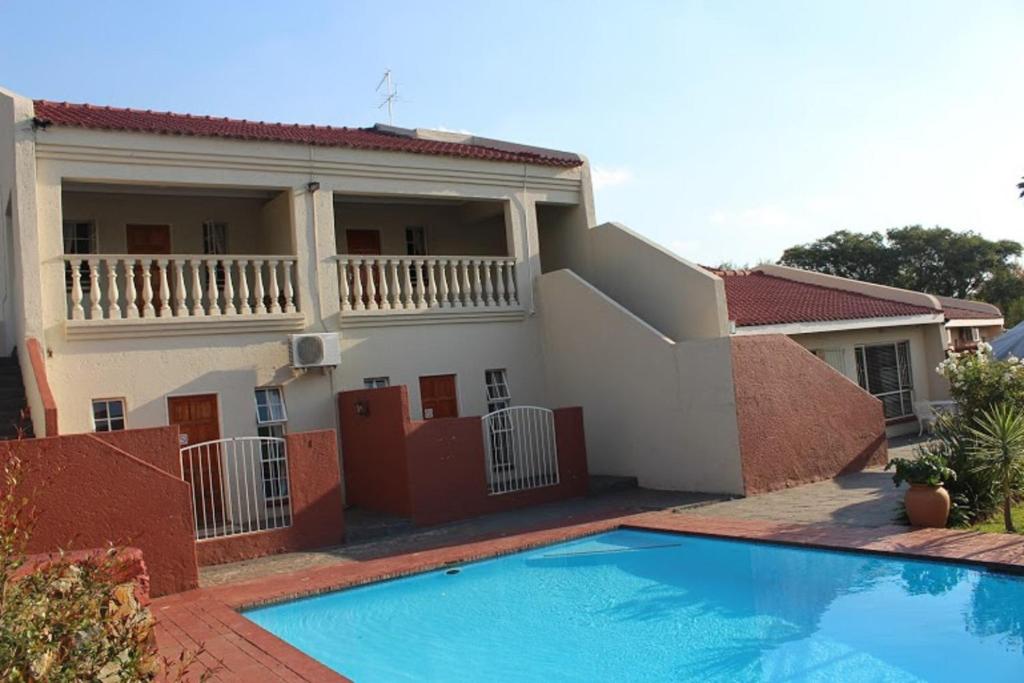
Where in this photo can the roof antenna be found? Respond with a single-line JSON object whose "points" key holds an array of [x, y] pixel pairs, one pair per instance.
{"points": [[391, 95]]}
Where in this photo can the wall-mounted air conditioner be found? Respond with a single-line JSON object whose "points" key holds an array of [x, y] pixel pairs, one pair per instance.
{"points": [[314, 350]]}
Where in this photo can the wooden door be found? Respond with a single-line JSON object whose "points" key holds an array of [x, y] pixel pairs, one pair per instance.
{"points": [[438, 397], [365, 243], [147, 239], [198, 419]]}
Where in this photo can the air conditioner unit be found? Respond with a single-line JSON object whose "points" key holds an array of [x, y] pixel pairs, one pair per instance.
{"points": [[314, 350]]}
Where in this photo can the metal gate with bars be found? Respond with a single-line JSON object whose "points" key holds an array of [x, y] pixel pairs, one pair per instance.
{"points": [[520, 449], [239, 485]]}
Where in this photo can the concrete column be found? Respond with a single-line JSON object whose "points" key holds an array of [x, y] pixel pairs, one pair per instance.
{"points": [[313, 222], [521, 228]]}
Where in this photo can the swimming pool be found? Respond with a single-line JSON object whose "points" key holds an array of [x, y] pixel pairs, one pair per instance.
{"points": [[644, 606]]}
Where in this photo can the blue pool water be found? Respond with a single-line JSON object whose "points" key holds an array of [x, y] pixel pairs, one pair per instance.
{"points": [[641, 606]]}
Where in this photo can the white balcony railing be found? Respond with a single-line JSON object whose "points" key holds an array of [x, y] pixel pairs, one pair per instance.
{"points": [[389, 283], [119, 287]]}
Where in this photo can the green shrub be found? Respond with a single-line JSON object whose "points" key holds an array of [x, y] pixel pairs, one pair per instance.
{"points": [[927, 469], [979, 381], [973, 493], [70, 620]]}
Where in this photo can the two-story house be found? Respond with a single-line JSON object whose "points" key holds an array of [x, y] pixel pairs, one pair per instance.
{"points": [[161, 268]]}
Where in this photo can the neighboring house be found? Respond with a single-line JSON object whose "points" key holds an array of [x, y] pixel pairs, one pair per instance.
{"points": [[885, 339], [169, 269]]}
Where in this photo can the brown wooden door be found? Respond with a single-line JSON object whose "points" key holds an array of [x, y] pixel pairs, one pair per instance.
{"points": [[147, 239], [198, 419], [437, 396], [365, 243]]}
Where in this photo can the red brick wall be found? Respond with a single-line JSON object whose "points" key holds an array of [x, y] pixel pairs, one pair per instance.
{"points": [[799, 420], [87, 494], [314, 481], [433, 471]]}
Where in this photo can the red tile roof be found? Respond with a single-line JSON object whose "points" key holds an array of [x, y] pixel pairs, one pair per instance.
{"points": [[755, 298], [957, 313], [167, 123]]}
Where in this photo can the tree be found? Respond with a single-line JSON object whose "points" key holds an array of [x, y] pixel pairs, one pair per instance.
{"points": [[934, 260], [999, 446], [1005, 289]]}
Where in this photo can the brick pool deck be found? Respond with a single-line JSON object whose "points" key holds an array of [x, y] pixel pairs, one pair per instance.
{"points": [[235, 649]]}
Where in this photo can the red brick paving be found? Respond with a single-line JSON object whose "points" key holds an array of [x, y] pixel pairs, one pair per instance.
{"points": [[235, 649]]}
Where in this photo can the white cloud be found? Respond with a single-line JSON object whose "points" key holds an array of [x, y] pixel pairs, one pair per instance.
{"points": [[608, 176]]}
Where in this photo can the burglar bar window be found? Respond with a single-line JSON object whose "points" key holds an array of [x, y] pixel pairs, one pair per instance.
{"points": [[884, 371]]}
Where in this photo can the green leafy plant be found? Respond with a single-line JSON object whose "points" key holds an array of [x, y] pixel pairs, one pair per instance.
{"points": [[999, 447], [928, 470], [973, 495], [64, 619], [979, 381]]}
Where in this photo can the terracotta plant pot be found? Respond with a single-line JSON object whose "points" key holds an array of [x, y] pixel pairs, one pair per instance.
{"points": [[927, 505]]}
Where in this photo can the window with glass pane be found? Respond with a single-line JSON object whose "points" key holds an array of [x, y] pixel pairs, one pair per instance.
{"points": [[270, 419], [108, 414], [884, 371], [79, 238], [498, 396], [270, 406], [376, 382]]}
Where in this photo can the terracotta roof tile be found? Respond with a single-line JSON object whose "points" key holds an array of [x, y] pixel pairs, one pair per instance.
{"points": [[168, 123], [755, 298]]}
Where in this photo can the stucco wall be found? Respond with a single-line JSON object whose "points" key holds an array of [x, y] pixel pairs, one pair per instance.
{"points": [[157, 446], [799, 420], [113, 211], [434, 471], [314, 484], [87, 494], [678, 298], [476, 228], [658, 410]]}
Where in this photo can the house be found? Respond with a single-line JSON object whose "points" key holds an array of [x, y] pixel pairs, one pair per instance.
{"points": [[246, 282], [887, 340]]}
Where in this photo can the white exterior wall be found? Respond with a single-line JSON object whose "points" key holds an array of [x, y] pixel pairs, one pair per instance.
{"points": [[145, 370], [662, 411]]}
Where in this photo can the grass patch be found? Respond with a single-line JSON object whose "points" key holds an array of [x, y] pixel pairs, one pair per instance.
{"points": [[995, 523]]}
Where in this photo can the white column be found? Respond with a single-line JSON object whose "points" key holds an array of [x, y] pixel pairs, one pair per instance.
{"points": [[421, 284], [165, 292], [357, 284], [456, 298], [243, 288], [289, 292], [369, 269], [478, 298], [113, 295], [407, 301], [77, 312], [147, 289], [95, 310], [344, 271], [382, 277], [131, 295], [489, 298], [431, 284], [211, 286], [229, 288], [275, 289], [180, 307], [260, 304], [197, 289]]}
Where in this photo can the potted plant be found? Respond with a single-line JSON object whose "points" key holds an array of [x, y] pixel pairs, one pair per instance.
{"points": [[927, 501]]}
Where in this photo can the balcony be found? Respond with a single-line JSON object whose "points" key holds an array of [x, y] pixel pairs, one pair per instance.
{"points": [[388, 272], [167, 267]]}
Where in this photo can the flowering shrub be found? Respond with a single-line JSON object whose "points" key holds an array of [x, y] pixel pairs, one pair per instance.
{"points": [[979, 381]]}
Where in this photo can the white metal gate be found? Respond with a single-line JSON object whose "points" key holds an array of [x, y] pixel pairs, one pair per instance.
{"points": [[520, 449], [239, 485]]}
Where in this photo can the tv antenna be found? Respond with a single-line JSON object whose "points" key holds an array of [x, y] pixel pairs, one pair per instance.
{"points": [[390, 95]]}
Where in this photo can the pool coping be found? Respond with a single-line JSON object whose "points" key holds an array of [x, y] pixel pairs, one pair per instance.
{"points": [[241, 650]]}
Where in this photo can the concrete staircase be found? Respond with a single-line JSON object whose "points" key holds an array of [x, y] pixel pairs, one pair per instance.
{"points": [[14, 421]]}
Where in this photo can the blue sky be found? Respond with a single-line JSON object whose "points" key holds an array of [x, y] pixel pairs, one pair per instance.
{"points": [[725, 130]]}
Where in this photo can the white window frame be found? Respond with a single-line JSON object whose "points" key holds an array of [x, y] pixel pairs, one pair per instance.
{"points": [[107, 422], [906, 404], [376, 382], [92, 248], [215, 238], [496, 389], [271, 456]]}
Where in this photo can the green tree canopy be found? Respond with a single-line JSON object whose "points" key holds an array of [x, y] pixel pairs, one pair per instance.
{"points": [[934, 260]]}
